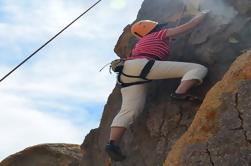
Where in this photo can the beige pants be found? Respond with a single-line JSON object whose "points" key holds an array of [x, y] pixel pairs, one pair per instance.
{"points": [[133, 97]]}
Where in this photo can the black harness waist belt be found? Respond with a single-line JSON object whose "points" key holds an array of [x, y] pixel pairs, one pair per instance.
{"points": [[145, 71]]}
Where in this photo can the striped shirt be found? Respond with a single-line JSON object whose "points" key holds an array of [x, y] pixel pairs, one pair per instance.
{"points": [[153, 45]]}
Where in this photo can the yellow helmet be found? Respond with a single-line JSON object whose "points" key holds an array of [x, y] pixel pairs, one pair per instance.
{"points": [[143, 27]]}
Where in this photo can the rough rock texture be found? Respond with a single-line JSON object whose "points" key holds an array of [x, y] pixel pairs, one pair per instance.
{"points": [[220, 132], [46, 155], [216, 43], [176, 133]]}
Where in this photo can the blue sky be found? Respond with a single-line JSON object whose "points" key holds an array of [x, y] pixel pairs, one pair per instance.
{"points": [[59, 95]]}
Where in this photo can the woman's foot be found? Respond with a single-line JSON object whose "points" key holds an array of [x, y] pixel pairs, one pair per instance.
{"points": [[186, 97], [114, 151]]}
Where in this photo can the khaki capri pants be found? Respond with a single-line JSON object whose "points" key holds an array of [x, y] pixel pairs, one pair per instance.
{"points": [[133, 97]]}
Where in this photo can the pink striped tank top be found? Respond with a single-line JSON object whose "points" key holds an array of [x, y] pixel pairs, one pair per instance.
{"points": [[152, 46]]}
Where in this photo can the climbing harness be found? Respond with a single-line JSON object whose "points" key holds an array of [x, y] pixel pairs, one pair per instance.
{"points": [[49, 41], [145, 71], [117, 66]]}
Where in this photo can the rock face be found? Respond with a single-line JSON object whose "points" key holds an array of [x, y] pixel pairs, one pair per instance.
{"points": [[46, 155], [220, 131], [156, 136], [181, 133]]}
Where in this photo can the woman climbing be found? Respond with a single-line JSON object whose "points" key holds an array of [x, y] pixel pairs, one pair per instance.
{"points": [[147, 62]]}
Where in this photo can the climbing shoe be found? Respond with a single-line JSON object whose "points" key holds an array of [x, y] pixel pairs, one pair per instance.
{"points": [[186, 97], [114, 152]]}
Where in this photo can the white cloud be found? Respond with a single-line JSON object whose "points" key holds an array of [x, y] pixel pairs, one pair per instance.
{"points": [[66, 70], [66, 74], [21, 125], [48, 17], [118, 4]]}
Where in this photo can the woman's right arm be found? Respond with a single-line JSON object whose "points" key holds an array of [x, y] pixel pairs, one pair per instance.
{"points": [[171, 32]]}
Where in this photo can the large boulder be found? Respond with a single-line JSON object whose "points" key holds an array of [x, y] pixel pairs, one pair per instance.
{"points": [[46, 155], [220, 133]]}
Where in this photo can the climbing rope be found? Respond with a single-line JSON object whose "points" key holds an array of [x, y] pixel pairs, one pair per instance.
{"points": [[25, 60]]}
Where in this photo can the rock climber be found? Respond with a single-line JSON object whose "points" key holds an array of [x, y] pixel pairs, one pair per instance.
{"points": [[148, 62]]}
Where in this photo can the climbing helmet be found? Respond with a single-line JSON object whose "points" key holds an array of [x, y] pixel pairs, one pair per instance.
{"points": [[143, 27]]}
